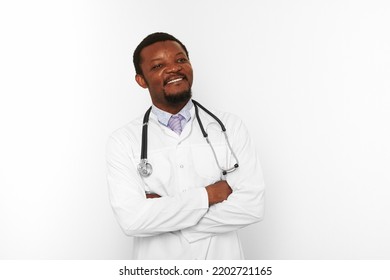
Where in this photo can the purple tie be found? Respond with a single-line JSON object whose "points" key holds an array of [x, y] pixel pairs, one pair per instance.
{"points": [[174, 123]]}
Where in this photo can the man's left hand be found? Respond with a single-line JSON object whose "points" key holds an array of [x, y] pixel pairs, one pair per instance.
{"points": [[152, 195]]}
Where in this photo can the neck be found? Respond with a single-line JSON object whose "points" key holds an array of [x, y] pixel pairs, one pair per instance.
{"points": [[172, 108]]}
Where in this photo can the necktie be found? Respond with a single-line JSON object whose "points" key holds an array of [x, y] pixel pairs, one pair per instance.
{"points": [[174, 123]]}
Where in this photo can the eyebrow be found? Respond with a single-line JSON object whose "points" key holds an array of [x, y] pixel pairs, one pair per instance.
{"points": [[159, 58]]}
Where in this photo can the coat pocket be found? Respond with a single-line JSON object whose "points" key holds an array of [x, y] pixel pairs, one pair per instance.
{"points": [[205, 163]]}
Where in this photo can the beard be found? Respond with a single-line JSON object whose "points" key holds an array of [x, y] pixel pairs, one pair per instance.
{"points": [[178, 97]]}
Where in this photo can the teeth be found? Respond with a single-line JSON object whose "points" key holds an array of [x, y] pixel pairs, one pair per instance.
{"points": [[175, 80]]}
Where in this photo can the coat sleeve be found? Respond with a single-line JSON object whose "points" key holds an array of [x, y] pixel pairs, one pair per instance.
{"points": [[137, 215], [245, 205]]}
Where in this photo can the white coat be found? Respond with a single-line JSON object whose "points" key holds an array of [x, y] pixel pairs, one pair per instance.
{"points": [[180, 224]]}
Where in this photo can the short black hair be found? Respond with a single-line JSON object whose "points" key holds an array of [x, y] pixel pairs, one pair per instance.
{"points": [[149, 40]]}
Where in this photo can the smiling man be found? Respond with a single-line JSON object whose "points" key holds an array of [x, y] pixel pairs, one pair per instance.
{"points": [[184, 186], [166, 71]]}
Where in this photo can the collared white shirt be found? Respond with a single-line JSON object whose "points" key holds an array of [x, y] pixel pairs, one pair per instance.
{"points": [[180, 224], [163, 117]]}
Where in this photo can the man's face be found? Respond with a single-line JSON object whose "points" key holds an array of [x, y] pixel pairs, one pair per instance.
{"points": [[167, 73]]}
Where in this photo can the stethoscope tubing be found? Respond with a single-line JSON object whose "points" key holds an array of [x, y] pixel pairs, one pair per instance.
{"points": [[145, 168], [144, 143]]}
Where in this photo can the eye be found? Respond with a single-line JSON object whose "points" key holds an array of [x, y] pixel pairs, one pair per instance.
{"points": [[182, 60], [157, 66]]}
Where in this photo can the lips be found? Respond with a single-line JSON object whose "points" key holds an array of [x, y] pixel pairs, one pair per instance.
{"points": [[174, 79]]}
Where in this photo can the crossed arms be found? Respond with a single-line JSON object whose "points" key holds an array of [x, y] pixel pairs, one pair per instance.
{"points": [[198, 213]]}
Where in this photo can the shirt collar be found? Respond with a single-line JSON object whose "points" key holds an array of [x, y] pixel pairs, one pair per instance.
{"points": [[163, 117]]}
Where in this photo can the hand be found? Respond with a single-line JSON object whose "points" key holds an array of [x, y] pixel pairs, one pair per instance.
{"points": [[152, 195], [218, 192]]}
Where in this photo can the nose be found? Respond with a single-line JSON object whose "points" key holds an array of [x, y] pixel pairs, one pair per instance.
{"points": [[173, 67]]}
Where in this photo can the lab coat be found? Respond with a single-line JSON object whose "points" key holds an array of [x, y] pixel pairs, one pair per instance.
{"points": [[180, 224]]}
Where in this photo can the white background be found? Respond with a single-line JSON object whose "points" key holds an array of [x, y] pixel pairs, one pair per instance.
{"points": [[309, 78]]}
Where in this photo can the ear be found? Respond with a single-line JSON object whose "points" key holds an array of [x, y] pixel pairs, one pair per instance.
{"points": [[141, 81]]}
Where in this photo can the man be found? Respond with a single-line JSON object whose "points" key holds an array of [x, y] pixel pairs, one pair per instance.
{"points": [[185, 209]]}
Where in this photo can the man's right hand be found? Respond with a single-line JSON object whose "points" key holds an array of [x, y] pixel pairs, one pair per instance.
{"points": [[218, 192]]}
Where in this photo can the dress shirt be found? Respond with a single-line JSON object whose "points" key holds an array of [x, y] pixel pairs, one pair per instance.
{"points": [[163, 117]]}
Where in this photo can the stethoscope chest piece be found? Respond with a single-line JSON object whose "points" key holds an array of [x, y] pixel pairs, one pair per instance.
{"points": [[145, 168]]}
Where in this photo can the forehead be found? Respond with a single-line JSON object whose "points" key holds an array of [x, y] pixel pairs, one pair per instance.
{"points": [[161, 49]]}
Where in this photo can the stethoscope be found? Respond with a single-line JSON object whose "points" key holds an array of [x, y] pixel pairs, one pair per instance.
{"points": [[145, 168]]}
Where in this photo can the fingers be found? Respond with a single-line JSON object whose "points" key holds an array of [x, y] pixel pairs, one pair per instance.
{"points": [[152, 195], [218, 192]]}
